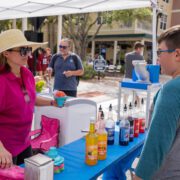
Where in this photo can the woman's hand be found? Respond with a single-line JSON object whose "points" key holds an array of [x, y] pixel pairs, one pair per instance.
{"points": [[5, 157]]}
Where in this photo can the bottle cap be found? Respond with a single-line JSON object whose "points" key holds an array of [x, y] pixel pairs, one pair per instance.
{"points": [[135, 103], [100, 108], [110, 107], [125, 107], [142, 101], [102, 115], [130, 105], [92, 119]]}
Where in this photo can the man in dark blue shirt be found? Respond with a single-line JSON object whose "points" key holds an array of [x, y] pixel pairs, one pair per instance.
{"points": [[66, 66]]}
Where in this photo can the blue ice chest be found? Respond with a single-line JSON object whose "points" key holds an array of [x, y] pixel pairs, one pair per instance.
{"points": [[153, 70]]}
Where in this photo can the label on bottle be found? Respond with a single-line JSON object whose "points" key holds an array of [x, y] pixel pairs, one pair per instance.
{"points": [[110, 134], [131, 132], [92, 152], [102, 147], [136, 127], [142, 125], [124, 134]]}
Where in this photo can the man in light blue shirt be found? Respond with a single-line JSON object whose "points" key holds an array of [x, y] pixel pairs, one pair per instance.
{"points": [[66, 66]]}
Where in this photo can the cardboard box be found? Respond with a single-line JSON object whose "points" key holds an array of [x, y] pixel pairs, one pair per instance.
{"points": [[39, 167]]}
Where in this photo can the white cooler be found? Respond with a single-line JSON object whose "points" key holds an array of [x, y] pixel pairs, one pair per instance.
{"points": [[74, 117]]}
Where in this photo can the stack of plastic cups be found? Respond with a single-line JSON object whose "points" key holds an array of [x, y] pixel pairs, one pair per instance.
{"points": [[58, 160]]}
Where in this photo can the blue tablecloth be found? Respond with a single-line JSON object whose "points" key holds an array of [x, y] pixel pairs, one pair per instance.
{"points": [[119, 159]]}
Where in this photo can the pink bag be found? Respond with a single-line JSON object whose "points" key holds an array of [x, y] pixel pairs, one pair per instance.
{"points": [[12, 173], [48, 134]]}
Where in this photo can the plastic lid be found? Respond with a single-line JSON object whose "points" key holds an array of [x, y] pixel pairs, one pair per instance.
{"points": [[52, 153]]}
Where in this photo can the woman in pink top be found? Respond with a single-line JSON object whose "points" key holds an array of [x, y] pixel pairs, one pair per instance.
{"points": [[17, 98]]}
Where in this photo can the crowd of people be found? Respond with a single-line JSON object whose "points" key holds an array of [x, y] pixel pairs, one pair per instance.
{"points": [[39, 61]]}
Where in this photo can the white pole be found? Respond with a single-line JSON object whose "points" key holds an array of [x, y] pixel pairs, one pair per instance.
{"points": [[154, 33], [59, 32], [24, 24], [115, 52], [14, 23]]}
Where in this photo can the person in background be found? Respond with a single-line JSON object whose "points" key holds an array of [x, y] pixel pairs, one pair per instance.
{"points": [[160, 157], [98, 56], [66, 66], [46, 60], [129, 57], [135, 55], [39, 64], [31, 61], [17, 98]]}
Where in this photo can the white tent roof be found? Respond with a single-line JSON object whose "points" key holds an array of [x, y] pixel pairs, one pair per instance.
{"points": [[11, 9]]}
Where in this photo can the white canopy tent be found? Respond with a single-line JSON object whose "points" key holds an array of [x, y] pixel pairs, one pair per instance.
{"points": [[10, 9]]}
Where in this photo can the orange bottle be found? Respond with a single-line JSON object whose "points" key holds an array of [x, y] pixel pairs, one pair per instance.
{"points": [[91, 144], [102, 139]]}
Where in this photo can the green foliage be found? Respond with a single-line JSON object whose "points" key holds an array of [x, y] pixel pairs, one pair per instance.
{"points": [[89, 72], [4, 25], [131, 14]]}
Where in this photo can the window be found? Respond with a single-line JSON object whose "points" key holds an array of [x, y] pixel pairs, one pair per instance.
{"points": [[163, 22]]}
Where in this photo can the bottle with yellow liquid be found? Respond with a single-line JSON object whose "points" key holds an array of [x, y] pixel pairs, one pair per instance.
{"points": [[91, 144], [102, 139]]}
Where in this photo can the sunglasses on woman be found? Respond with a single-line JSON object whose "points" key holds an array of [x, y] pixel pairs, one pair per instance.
{"points": [[22, 50], [63, 47]]}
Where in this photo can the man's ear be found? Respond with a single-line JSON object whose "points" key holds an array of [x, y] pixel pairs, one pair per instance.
{"points": [[177, 55]]}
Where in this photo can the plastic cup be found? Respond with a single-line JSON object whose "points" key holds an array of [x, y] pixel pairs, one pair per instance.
{"points": [[61, 100]]}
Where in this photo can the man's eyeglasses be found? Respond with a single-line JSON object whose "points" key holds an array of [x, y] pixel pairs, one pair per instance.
{"points": [[63, 47], [167, 50], [22, 50]]}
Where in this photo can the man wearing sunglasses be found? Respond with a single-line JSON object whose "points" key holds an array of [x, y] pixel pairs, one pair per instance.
{"points": [[160, 158], [66, 66]]}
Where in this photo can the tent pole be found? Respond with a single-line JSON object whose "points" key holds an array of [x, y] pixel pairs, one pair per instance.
{"points": [[59, 32], [14, 23], [115, 52], [24, 24], [154, 33]]}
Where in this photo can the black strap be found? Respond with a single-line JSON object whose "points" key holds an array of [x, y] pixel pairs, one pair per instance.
{"points": [[75, 59]]}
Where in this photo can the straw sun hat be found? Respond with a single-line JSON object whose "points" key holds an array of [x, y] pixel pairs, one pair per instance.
{"points": [[15, 38]]}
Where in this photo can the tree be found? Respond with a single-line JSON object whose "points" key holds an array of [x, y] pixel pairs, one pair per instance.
{"points": [[51, 23], [78, 26], [4, 25], [131, 15]]}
